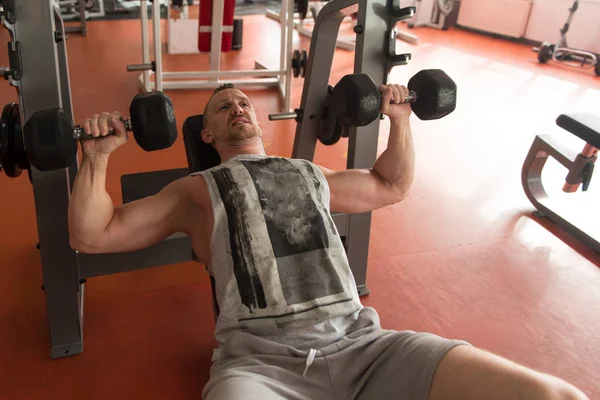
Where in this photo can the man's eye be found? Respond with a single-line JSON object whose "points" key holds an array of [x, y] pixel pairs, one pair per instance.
{"points": [[223, 107], [245, 105]]}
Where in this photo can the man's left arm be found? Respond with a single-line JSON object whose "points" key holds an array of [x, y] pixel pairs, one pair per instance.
{"points": [[355, 191]]}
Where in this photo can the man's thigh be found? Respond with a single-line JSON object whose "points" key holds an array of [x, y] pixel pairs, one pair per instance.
{"points": [[389, 365], [469, 373], [269, 377]]}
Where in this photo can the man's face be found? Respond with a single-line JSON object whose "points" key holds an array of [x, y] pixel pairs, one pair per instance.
{"points": [[231, 120]]}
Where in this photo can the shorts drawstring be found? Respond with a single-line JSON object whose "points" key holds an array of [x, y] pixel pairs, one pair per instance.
{"points": [[309, 360]]}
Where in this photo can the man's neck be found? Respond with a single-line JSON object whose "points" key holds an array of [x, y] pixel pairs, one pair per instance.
{"points": [[231, 151]]}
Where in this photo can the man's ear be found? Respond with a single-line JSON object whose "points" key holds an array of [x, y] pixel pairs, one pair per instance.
{"points": [[207, 136]]}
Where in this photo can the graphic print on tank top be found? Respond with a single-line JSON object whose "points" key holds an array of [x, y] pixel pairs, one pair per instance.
{"points": [[286, 259]]}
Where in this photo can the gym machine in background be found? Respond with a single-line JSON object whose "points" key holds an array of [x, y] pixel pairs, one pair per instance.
{"points": [[432, 13], [561, 52], [566, 210], [76, 9], [304, 23], [154, 77]]}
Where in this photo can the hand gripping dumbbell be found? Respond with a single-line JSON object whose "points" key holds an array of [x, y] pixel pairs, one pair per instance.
{"points": [[51, 139], [356, 99]]}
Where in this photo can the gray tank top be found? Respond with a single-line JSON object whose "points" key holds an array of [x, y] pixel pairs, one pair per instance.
{"points": [[280, 268]]}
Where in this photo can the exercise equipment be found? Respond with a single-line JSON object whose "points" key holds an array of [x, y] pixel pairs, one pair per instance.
{"points": [[304, 17], [13, 159], [299, 61], [205, 28], [51, 139], [356, 99], [432, 13], [76, 9], [181, 28], [561, 52], [566, 210]]}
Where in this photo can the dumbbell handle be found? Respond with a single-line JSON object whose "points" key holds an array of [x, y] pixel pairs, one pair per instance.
{"points": [[412, 97], [79, 132]]}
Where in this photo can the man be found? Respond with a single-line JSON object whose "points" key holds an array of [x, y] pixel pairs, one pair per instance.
{"points": [[291, 325]]}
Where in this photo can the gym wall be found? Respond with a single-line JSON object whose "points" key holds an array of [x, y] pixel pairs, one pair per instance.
{"points": [[536, 20]]}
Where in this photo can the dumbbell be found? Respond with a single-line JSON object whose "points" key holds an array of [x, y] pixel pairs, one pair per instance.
{"points": [[356, 99], [51, 139]]}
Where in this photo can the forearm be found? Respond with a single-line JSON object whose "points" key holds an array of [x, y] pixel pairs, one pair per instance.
{"points": [[91, 208], [396, 165]]}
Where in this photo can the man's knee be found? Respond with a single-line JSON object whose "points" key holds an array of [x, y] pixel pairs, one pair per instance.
{"points": [[553, 388], [469, 373]]}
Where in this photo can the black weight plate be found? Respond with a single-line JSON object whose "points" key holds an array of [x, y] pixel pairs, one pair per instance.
{"points": [[545, 52], [15, 139], [332, 136], [9, 121], [296, 60]]}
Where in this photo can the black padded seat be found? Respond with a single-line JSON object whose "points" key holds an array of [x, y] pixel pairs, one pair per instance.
{"points": [[200, 156], [584, 125]]}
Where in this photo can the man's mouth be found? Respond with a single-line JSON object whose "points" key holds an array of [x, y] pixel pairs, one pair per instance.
{"points": [[239, 121]]}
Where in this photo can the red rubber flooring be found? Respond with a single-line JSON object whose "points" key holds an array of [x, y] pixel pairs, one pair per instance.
{"points": [[461, 257]]}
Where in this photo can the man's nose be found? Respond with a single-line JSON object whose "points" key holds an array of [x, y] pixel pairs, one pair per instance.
{"points": [[236, 109]]}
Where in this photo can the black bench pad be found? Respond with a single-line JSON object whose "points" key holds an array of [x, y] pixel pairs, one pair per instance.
{"points": [[584, 125]]}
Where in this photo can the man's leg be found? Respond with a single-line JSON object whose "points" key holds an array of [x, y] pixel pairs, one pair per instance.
{"points": [[248, 386], [469, 373]]}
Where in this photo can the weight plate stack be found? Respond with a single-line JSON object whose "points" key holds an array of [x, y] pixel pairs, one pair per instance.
{"points": [[13, 158], [299, 61]]}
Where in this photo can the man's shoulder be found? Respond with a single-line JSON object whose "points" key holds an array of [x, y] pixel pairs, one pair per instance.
{"points": [[192, 187]]}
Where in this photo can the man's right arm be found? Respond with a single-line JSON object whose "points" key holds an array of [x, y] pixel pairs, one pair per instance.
{"points": [[96, 225]]}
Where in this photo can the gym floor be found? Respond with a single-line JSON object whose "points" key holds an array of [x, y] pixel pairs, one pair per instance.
{"points": [[462, 257]]}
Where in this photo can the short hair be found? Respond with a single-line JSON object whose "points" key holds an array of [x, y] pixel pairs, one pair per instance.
{"points": [[217, 90]]}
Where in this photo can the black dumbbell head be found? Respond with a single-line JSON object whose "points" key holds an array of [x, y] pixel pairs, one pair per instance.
{"points": [[153, 121], [356, 100], [48, 139], [436, 94]]}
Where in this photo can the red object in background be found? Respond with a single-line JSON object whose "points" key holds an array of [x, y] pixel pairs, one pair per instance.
{"points": [[205, 27]]}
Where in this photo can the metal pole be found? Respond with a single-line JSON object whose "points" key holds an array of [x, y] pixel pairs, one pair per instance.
{"points": [[157, 45], [288, 54], [283, 23], [216, 36], [145, 44]]}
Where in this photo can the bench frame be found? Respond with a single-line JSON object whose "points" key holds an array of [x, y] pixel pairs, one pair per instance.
{"points": [[557, 209]]}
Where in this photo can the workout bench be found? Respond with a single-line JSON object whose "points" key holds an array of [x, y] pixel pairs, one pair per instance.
{"points": [[586, 126]]}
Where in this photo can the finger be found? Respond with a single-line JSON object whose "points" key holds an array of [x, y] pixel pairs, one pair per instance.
{"points": [[403, 93], [397, 97], [386, 97], [95, 130], [103, 123], [86, 127], [116, 121]]}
